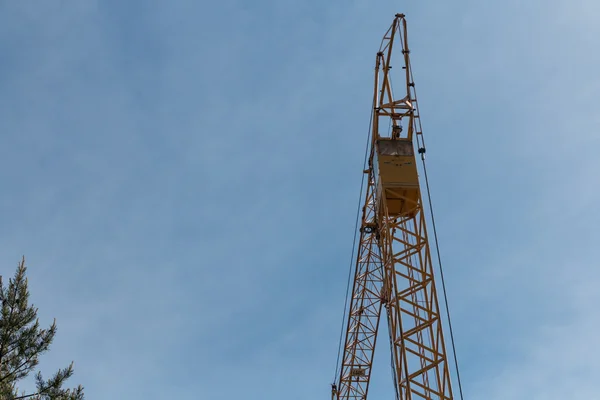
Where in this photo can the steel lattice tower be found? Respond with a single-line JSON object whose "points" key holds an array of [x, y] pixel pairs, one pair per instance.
{"points": [[394, 269]]}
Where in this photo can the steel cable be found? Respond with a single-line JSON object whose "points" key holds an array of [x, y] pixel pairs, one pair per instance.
{"points": [[362, 183]]}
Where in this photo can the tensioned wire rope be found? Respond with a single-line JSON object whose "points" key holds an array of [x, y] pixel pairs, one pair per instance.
{"points": [[362, 184], [421, 147]]}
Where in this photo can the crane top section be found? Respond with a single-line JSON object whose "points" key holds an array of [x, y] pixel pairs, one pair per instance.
{"points": [[394, 272], [395, 124], [395, 108]]}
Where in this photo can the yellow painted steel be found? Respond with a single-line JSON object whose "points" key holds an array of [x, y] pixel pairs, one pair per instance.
{"points": [[394, 270], [398, 177]]}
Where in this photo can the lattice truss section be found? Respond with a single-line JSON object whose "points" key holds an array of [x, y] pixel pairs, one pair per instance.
{"points": [[418, 350], [365, 307]]}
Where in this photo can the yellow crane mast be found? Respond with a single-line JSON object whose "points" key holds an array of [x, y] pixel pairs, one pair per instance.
{"points": [[394, 269]]}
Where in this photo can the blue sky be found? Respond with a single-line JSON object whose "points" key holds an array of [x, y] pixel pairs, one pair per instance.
{"points": [[182, 177]]}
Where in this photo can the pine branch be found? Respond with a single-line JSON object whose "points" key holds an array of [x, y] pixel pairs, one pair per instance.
{"points": [[13, 285], [21, 343]]}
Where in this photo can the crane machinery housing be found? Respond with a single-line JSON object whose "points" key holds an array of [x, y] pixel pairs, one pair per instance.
{"points": [[393, 265]]}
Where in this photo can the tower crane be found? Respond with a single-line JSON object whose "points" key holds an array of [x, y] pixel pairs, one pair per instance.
{"points": [[394, 269]]}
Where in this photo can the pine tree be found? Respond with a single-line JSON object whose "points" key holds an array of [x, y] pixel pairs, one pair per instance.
{"points": [[22, 342]]}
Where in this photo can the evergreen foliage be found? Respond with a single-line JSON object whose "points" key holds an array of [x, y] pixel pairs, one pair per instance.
{"points": [[22, 341]]}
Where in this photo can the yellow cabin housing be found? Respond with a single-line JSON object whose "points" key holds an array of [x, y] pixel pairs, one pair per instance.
{"points": [[398, 179]]}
